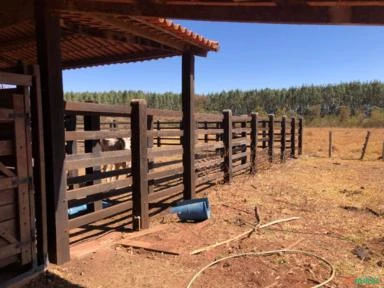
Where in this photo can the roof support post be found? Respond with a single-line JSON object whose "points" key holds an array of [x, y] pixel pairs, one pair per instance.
{"points": [[188, 104], [49, 59]]}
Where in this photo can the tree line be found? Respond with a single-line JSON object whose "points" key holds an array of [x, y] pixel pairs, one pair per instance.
{"points": [[349, 104]]}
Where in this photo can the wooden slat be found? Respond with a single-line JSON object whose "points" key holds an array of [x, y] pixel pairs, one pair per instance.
{"points": [[239, 156], [15, 79], [210, 131], [162, 152], [92, 159], [240, 167], [7, 197], [8, 183], [93, 135], [10, 250], [97, 188], [6, 115], [209, 163], [6, 148], [204, 147], [99, 214], [162, 133], [8, 212], [166, 193], [240, 130], [218, 176], [81, 108], [164, 174]]}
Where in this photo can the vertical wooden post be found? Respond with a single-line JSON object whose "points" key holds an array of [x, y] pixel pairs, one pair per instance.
{"points": [[92, 123], [293, 137], [206, 134], [139, 164], [300, 140], [158, 130], [71, 146], [254, 135], [330, 144], [48, 36], [271, 137], [283, 138], [244, 147], [39, 167], [365, 145], [227, 139], [150, 146], [188, 104], [264, 134]]}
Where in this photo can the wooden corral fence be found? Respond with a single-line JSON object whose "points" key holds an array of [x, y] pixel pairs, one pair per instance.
{"points": [[226, 145], [23, 246]]}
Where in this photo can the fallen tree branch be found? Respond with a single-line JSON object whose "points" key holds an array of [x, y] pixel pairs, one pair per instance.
{"points": [[266, 253], [246, 233]]}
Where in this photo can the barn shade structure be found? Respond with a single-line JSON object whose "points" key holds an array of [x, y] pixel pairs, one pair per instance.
{"points": [[41, 41]]}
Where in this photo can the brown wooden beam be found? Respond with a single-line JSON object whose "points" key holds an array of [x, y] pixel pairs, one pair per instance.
{"points": [[372, 13], [49, 58], [188, 105]]}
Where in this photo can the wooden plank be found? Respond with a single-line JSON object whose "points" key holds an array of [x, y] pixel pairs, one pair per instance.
{"points": [[48, 37], [188, 141], [227, 139], [271, 137], [6, 148], [240, 167], [239, 156], [8, 211], [93, 135], [10, 250], [97, 175], [99, 214], [82, 108], [8, 183], [6, 115], [154, 197], [209, 131], [7, 197], [83, 192], [210, 163], [6, 171], [207, 147], [15, 79], [164, 174], [139, 165], [163, 152], [218, 176], [99, 158], [165, 133], [254, 133], [23, 173]]}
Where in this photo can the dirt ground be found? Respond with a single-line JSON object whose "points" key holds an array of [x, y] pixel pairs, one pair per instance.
{"points": [[339, 203]]}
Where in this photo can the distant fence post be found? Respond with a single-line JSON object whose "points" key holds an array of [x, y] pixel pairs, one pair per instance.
{"points": [[271, 135], [253, 142], [92, 123], [71, 146], [300, 140], [244, 147], [158, 135], [365, 145], [206, 134], [227, 138], [330, 144], [139, 164], [293, 137], [264, 134], [283, 138]]}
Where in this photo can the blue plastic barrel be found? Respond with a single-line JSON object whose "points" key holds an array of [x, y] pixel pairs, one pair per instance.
{"points": [[193, 210]]}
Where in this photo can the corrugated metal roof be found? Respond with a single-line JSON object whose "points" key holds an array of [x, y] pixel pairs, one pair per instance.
{"points": [[89, 40]]}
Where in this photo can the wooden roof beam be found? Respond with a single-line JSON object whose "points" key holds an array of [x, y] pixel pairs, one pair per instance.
{"points": [[71, 27], [310, 13]]}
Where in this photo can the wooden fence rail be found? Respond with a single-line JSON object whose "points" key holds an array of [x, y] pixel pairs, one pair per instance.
{"points": [[222, 147]]}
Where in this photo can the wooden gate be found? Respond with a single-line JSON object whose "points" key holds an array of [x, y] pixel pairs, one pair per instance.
{"points": [[18, 250]]}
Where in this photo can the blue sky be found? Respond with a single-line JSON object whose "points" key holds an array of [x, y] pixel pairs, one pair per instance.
{"points": [[252, 56]]}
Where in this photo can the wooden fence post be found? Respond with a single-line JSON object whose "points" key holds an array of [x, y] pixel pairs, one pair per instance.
{"points": [[227, 139], [271, 135], [92, 123], [283, 138], [293, 137], [264, 134], [158, 136], [330, 144], [244, 147], [150, 145], [139, 164], [365, 145], [188, 124], [300, 140], [206, 134], [254, 142], [71, 146]]}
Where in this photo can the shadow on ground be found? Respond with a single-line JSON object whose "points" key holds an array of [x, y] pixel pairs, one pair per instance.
{"points": [[48, 279]]}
